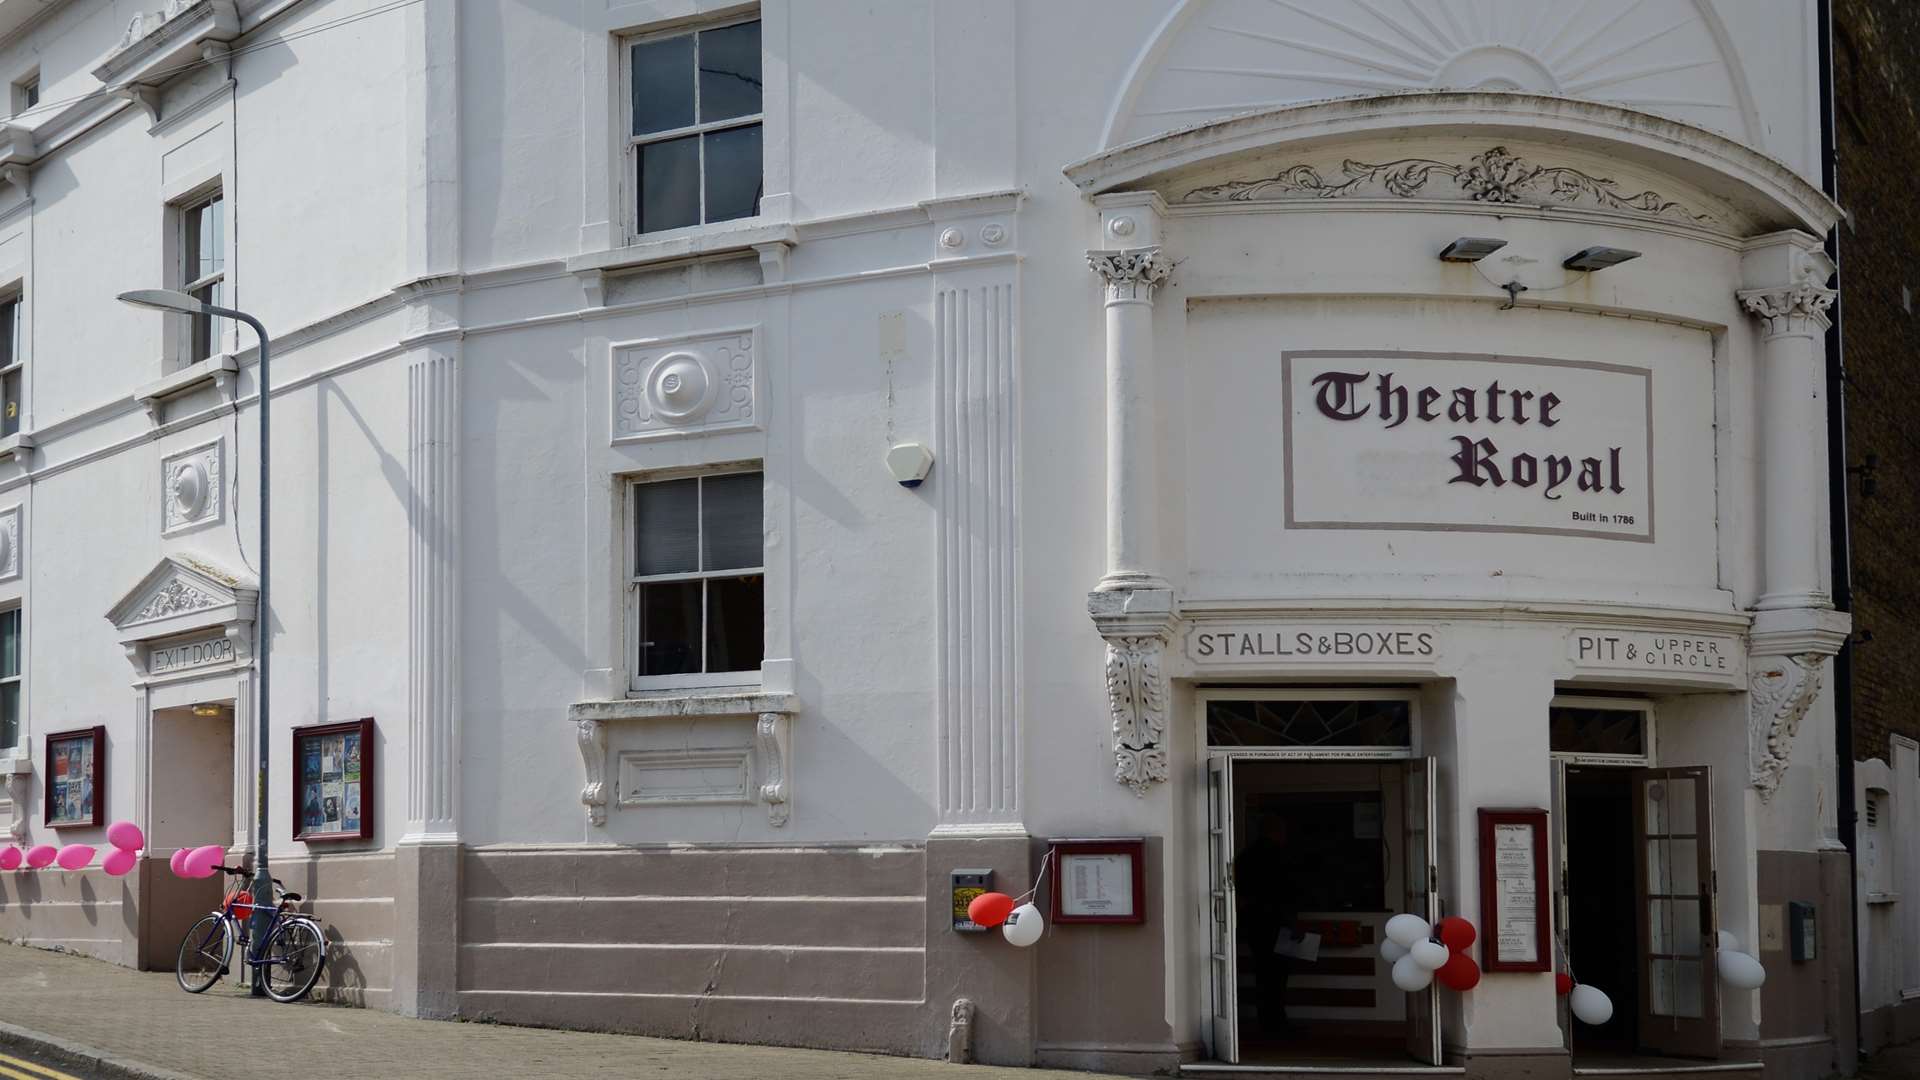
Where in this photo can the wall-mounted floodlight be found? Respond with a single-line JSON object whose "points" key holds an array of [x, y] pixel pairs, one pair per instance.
{"points": [[1599, 258], [1470, 249]]}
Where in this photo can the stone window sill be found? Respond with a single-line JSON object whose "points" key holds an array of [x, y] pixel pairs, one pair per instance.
{"points": [[218, 369], [14, 447], [772, 241], [665, 704], [1883, 898]]}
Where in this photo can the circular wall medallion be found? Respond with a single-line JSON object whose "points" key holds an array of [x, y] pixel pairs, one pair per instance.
{"points": [[952, 238], [993, 235], [1121, 226], [188, 489], [680, 387]]}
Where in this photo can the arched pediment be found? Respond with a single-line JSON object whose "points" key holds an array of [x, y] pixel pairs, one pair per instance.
{"points": [[1215, 58], [1509, 150]]}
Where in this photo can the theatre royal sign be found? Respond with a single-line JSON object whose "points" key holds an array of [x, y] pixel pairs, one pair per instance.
{"points": [[1466, 441]]}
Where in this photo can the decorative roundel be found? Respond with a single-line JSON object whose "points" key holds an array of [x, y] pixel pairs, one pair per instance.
{"points": [[680, 387], [188, 488]]}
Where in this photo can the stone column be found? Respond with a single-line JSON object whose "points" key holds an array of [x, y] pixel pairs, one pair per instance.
{"points": [[1795, 627], [1787, 276], [1132, 606]]}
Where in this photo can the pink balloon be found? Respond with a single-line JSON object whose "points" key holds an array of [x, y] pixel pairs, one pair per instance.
{"points": [[118, 862], [178, 864], [10, 859], [40, 855], [75, 856], [204, 860], [126, 836]]}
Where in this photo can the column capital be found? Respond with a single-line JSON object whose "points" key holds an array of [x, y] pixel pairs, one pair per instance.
{"points": [[1137, 625], [1786, 277], [1797, 309], [1130, 274]]}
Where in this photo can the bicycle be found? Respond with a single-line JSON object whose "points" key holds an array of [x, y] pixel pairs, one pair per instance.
{"points": [[287, 963]]}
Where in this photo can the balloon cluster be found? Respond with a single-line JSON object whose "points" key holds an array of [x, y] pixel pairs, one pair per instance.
{"points": [[125, 836], [1738, 969], [197, 862], [1422, 953], [1017, 917]]}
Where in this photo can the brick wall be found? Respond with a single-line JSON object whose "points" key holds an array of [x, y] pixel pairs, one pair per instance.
{"points": [[1877, 97]]}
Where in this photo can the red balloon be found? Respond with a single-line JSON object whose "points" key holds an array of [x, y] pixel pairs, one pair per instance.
{"points": [[1562, 983], [1456, 933], [1459, 973], [990, 909]]}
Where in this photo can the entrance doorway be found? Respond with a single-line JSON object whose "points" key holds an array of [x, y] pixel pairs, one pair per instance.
{"points": [[192, 769], [1318, 833], [1636, 904]]}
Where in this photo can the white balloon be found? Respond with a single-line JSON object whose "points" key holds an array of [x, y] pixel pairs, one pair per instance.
{"points": [[1408, 930], [1591, 1005], [1741, 971], [1410, 976], [1728, 943], [1430, 955], [1024, 926], [1391, 951]]}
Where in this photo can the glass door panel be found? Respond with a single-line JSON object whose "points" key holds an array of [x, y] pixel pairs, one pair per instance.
{"points": [[1422, 874], [1680, 1006], [1223, 1028]]}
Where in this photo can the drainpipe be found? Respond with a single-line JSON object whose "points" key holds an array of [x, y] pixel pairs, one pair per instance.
{"points": [[1841, 534]]}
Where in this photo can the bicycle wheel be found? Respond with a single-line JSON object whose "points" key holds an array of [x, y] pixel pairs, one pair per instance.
{"points": [[294, 956], [204, 953]]}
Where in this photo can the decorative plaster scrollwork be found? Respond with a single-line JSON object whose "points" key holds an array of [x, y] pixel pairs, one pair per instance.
{"points": [[1496, 176], [190, 482], [174, 598], [1130, 273], [1781, 689], [686, 386], [1137, 702], [9, 543], [774, 734], [592, 737]]}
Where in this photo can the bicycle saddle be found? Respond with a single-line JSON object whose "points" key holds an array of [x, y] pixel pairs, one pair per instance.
{"points": [[290, 897]]}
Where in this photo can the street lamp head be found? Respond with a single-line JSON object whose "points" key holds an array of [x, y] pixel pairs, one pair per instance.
{"points": [[164, 300]]}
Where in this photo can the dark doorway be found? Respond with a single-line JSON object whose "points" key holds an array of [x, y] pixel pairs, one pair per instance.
{"points": [[1319, 850], [1603, 941]]}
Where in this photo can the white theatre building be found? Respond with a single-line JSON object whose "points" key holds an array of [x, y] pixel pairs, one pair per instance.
{"points": [[1374, 454]]}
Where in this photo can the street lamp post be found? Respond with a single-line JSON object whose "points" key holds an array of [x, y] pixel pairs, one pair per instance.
{"points": [[183, 304]]}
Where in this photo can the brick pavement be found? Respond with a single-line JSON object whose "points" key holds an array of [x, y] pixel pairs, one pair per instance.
{"points": [[144, 1021]]}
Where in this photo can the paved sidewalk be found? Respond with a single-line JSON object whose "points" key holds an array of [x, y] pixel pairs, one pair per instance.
{"points": [[144, 1023]]}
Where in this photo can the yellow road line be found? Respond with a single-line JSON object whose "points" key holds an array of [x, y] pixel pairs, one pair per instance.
{"points": [[37, 1072]]}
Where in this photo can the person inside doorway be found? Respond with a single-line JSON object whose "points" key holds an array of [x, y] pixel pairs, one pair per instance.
{"points": [[1267, 879]]}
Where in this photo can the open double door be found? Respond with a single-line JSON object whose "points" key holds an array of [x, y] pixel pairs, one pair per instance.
{"points": [[1422, 875], [1676, 992]]}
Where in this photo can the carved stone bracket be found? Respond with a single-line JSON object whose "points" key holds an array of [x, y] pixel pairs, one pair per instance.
{"points": [[1130, 273], [774, 734], [1781, 689], [592, 736], [1137, 624], [17, 795]]}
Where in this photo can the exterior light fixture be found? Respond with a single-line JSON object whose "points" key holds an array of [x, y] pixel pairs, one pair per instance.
{"points": [[1599, 258], [164, 300], [210, 709], [1470, 249]]}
